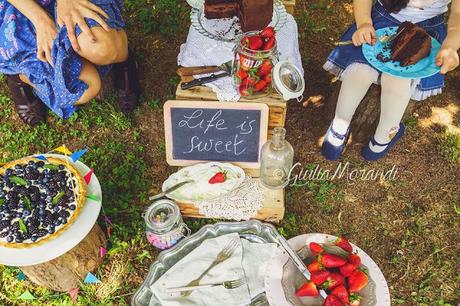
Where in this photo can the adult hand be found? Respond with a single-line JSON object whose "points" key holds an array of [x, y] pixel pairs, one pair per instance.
{"points": [[364, 34], [447, 59], [46, 33], [73, 12]]}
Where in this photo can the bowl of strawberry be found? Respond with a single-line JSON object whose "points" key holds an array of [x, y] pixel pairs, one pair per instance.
{"points": [[338, 268], [255, 56]]}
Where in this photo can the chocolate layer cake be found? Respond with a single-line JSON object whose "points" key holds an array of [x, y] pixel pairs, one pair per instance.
{"points": [[411, 45], [253, 14]]}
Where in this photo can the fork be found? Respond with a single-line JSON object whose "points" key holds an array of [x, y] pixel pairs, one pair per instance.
{"points": [[223, 255], [227, 285], [383, 39]]}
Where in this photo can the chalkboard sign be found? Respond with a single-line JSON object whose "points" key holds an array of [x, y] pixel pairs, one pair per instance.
{"points": [[198, 131]]}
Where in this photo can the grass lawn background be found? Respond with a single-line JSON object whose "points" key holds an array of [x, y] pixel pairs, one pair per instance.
{"points": [[409, 226]]}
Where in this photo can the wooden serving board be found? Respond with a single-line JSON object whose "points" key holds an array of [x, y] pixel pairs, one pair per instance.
{"points": [[272, 211]]}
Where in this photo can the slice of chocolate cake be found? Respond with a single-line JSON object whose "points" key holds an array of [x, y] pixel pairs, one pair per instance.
{"points": [[411, 45], [253, 14], [216, 9]]}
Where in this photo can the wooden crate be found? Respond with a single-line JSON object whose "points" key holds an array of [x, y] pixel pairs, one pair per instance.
{"points": [[272, 211], [276, 104], [290, 6]]}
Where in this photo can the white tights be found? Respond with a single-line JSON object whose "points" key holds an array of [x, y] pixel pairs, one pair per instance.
{"points": [[396, 93]]}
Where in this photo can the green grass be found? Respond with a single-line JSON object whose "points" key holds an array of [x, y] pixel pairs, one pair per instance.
{"points": [[119, 162], [449, 145]]}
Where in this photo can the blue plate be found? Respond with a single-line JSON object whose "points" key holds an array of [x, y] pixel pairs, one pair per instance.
{"points": [[424, 68]]}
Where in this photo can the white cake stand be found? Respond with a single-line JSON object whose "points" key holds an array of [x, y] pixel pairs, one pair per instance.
{"points": [[74, 234]]}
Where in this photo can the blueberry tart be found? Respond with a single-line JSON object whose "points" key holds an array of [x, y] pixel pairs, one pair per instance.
{"points": [[39, 200]]}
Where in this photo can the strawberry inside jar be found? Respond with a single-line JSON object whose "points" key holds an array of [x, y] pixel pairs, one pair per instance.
{"points": [[254, 59]]}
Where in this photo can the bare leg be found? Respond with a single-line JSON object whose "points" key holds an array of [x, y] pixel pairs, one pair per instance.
{"points": [[90, 76], [110, 46]]}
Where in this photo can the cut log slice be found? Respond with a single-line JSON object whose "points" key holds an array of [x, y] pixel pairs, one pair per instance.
{"points": [[67, 271]]}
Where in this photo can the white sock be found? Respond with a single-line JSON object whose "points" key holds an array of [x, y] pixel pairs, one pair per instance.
{"points": [[357, 79], [395, 97]]}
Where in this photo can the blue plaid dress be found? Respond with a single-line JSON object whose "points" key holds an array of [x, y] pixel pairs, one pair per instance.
{"points": [[59, 87]]}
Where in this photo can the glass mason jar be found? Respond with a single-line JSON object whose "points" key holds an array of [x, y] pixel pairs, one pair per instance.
{"points": [[164, 225], [276, 158], [252, 69]]}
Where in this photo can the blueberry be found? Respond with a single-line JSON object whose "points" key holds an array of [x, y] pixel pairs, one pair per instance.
{"points": [[61, 167], [18, 239], [22, 205], [51, 230], [56, 222], [72, 207], [30, 162], [9, 239], [26, 212], [34, 238], [56, 208]]}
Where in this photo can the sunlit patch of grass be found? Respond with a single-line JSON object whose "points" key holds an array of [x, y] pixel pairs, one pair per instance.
{"points": [[449, 145]]}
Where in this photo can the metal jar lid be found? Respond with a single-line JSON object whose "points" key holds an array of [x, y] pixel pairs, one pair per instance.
{"points": [[168, 209], [288, 81]]}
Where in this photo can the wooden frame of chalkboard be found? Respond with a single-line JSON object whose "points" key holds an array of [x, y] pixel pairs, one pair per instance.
{"points": [[202, 131]]}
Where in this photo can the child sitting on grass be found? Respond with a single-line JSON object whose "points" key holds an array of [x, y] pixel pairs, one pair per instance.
{"points": [[348, 63]]}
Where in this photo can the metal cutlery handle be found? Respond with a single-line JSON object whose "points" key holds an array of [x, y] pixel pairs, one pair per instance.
{"points": [[343, 43], [190, 288]]}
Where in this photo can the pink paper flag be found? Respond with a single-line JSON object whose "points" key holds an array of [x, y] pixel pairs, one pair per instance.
{"points": [[88, 176], [107, 219], [73, 294], [102, 251]]}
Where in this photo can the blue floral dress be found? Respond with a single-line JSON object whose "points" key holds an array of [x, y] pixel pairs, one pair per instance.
{"points": [[59, 87]]}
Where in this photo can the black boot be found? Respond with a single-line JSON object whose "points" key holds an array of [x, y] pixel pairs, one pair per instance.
{"points": [[29, 108], [126, 81]]}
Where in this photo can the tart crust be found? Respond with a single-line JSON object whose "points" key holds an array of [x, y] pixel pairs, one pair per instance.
{"points": [[79, 202]]}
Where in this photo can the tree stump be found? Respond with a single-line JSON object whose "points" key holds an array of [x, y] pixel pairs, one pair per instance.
{"points": [[67, 271], [367, 114]]}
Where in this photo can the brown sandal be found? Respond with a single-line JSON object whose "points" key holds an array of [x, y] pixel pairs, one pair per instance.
{"points": [[29, 108], [127, 84]]}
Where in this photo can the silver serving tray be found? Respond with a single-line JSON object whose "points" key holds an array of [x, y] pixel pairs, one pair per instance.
{"points": [[253, 230]]}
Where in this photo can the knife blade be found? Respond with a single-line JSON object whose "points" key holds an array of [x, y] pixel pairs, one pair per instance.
{"points": [[297, 261], [201, 81], [170, 189], [188, 71]]}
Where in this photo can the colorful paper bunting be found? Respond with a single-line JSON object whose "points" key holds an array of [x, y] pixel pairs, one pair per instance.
{"points": [[21, 276], [41, 157], [91, 279], [92, 197], [27, 296], [76, 155], [102, 251], [107, 219], [88, 176], [73, 294], [63, 149]]}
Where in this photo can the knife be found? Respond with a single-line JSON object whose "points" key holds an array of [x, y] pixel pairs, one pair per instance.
{"points": [[297, 261], [170, 189], [201, 81], [188, 71]]}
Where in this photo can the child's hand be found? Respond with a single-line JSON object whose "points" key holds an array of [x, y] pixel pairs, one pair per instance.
{"points": [[364, 34], [447, 59]]}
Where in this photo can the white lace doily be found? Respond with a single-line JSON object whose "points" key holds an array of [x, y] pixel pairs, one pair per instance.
{"points": [[200, 50], [242, 203]]}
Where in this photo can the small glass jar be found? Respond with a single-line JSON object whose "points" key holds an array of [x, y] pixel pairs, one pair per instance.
{"points": [[164, 225], [252, 69], [276, 158]]}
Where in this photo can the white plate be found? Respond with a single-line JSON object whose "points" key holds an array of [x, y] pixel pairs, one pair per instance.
{"points": [[69, 238], [273, 280], [208, 191]]}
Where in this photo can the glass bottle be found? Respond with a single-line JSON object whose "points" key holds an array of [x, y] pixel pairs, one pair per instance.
{"points": [[276, 160]]}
